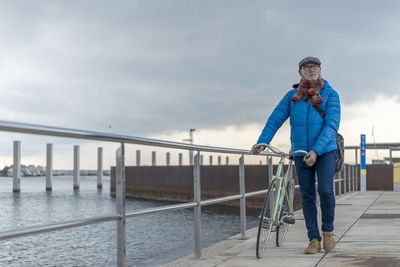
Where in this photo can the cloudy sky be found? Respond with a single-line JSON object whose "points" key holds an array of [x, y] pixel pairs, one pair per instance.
{"points": [[158, 68]]}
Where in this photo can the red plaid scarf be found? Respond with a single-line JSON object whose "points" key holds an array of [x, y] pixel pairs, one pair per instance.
{"points": [[312, 88]]}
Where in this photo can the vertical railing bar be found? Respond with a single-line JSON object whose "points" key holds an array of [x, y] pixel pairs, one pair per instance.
{"points": [[340, 183], [197, 209], [350, 177], [120, 189], [243, 198], [344, 179]]}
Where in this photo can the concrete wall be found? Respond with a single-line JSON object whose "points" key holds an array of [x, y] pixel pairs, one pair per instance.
{"points": [[176, 182]]}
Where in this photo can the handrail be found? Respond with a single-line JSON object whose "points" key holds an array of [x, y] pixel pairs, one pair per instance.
{"points": [[101, 136], [120, 183]]}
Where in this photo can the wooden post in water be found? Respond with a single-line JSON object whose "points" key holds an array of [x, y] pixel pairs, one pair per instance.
{"points": [[76, 167], [49, 167], [99, 167], [180, 159], [153, 158], [138, 158], [17, 167], [168, 155]]}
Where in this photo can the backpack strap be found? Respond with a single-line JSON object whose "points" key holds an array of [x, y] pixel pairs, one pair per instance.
{"points": [[309, 100]]}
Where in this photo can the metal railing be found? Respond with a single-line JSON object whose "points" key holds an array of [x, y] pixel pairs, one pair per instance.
{"points": [[122, 214]]}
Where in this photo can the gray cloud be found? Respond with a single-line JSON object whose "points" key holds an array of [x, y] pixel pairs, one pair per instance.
{"points": [[151, 66]]}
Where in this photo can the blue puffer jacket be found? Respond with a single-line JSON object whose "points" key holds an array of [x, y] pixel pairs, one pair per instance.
{"points": [[308, 130]]}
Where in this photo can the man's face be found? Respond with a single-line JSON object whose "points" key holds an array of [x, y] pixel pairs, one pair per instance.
{"points": [[310, 71]]}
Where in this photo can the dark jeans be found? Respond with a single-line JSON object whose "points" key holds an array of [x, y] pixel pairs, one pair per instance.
{"points": [[325, 169]]}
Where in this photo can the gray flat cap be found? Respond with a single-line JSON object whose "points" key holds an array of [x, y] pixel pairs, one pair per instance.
{"points": [[309, 60]]}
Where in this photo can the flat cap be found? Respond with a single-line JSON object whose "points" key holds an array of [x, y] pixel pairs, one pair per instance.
{"points": [[309, 60]]}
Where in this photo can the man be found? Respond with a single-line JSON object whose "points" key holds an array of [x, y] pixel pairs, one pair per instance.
{"points": [[311, 132]]}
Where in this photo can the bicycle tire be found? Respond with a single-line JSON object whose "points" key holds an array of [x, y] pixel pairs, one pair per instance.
{"points": [[281, 230], [266, 221]]}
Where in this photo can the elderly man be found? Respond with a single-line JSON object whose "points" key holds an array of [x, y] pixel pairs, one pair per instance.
{"points": [[313, 133]]}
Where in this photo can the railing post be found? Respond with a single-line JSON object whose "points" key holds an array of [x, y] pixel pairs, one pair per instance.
{"points": [[180, 159], [153, 158], [350, 177], [76, 167], [344, 179], [17, 167], [201, 160], [99, 167], [138, 158], [168, 156], [340, 182], [227, 160], [120, 189], [49, 167], [197, 209], [211, 160], [354, 177], [219, 160], [243, 198]]}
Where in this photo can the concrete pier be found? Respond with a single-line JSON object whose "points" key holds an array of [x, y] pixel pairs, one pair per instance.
{"points": [[367, 227]]}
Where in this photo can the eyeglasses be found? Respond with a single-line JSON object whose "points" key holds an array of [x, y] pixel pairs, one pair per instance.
{"points": [[309, 67]]}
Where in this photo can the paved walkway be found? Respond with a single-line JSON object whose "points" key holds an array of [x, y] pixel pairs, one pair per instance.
{"points": [[367, 228]]}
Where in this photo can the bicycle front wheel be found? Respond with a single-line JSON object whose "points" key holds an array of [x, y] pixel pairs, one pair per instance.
{"points": [[266, 220], [282, 228]]}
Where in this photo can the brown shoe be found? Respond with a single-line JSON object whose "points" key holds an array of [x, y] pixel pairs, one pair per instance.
{"points": [[329, 241], [313, 247]]}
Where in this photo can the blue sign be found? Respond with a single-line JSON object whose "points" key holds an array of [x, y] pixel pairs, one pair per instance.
{"points": [[362, 151]]}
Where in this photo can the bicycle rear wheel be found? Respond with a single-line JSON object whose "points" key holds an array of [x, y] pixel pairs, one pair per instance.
{"points": [[266, 220], [282, 228]]}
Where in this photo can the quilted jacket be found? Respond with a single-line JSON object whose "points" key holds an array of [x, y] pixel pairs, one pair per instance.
{"points": [[309, 131]]}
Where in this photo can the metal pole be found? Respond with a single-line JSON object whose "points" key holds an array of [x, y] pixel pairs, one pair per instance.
{"points": [[17, 167], [227, 160], [138, 158], [197, 209], [49, 167], [354, 177], [211, 161], [350, 177], [340, 183], [168, 158], [356, 156], [243, 198], [153, 158], [180, 159], [76, 167], [201, 160], [390, 155], [120, 189], [344, 179], [99, 167], [219, 160]]}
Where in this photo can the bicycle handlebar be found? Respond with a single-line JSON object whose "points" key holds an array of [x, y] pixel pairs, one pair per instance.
{"points": [[280, 153]]}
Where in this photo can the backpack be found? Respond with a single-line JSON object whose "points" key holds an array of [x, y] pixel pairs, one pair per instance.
{"points": [[339, 162]]}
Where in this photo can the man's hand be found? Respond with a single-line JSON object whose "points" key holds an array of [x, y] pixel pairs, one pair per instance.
{"points": [[310, 158], [256, 149]]}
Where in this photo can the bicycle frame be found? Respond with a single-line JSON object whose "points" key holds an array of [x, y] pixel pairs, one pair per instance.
{"points": [[282, 183]]}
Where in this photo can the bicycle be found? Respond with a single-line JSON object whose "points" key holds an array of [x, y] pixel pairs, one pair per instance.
{"points": [[277, 212]]}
